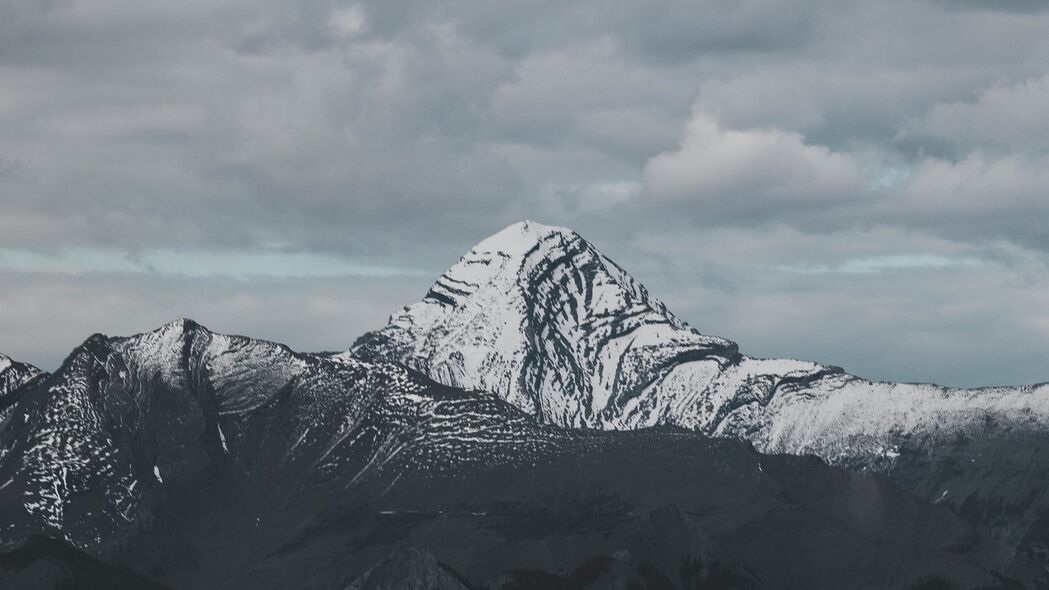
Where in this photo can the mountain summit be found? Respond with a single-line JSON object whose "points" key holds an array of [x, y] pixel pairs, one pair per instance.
{"points": [[212, 461], [539, 317], [13, 375], [208, 460]]}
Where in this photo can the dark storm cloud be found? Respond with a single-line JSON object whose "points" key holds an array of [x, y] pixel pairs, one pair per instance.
{"points": [[871, 136]]}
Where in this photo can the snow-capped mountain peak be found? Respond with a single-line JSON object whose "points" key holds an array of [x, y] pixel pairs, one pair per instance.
{"points": [[518, 238], [213, 461], [14, 375], [538, 316]]}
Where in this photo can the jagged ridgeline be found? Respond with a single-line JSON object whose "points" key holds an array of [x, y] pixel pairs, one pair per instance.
{"points": [[538, 420], [537, 316], [199, 460], [13, 375]]}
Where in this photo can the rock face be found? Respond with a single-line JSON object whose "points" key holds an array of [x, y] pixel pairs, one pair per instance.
{"points": [[89, 450], [538, 317], [14, 375], [202, 460], [408, 568], [15, 378], [45, 564]]}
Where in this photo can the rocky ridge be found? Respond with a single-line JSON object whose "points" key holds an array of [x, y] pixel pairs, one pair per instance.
{"points": [[537, 316], [205, 460]]}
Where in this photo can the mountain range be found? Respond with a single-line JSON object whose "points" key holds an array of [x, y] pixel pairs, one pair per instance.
{"points": [[539, 317], [538, 420]]}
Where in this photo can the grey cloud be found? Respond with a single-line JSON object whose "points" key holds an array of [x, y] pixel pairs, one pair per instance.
{"points": [[42, 325], [956, 324], [10, 169], [1006, 194], [1004, 116], [241, 124], [679, 31], [1023, 6], [663, 31], [731, 173], [401, 132], [993, 191]]}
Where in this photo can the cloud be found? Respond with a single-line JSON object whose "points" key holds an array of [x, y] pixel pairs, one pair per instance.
{"points": [[753, 176], [1004, 116], [753, 173], [1029, 6], [46, 315], [977, 197], [882, 264], [170, 263], [762, 134], [893, 304], [675, 30], [392, 128]]}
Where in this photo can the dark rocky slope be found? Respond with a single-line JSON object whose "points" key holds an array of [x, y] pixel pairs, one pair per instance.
{"points": [[13, 376], [204, 460], [45, 564], [537, 316]]}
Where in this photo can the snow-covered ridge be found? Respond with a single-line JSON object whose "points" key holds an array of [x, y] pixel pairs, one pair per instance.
{"points": [[217, 460], [536, 315], [539, 317], [14, 375], [93, 447]]}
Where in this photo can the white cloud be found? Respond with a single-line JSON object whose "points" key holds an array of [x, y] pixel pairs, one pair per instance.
{"points": [[721, 175], [750, 171], [976, 198], [349, 21], [1014, 116], [402, 132]]}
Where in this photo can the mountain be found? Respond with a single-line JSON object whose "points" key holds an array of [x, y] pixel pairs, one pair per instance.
{"points": [[45, 564], [409, 568], [201, 460], [537, 316], [14, 374]]}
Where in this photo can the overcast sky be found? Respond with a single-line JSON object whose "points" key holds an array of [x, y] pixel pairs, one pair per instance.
{"points": [[859, 183]]}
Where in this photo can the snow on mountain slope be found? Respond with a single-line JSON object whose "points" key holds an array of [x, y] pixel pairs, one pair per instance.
{"points": [[208, 461], [89, 450], [14, 374], [539, 317]]}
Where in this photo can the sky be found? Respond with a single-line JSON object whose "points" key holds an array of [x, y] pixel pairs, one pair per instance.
{"points": [[864, 184]]}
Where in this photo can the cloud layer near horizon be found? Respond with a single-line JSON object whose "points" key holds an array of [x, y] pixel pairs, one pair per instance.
{"points": [[858, 183]]}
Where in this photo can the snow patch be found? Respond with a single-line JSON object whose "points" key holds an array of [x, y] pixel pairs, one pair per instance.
{"points": [[222, 439], [519, 238]]}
